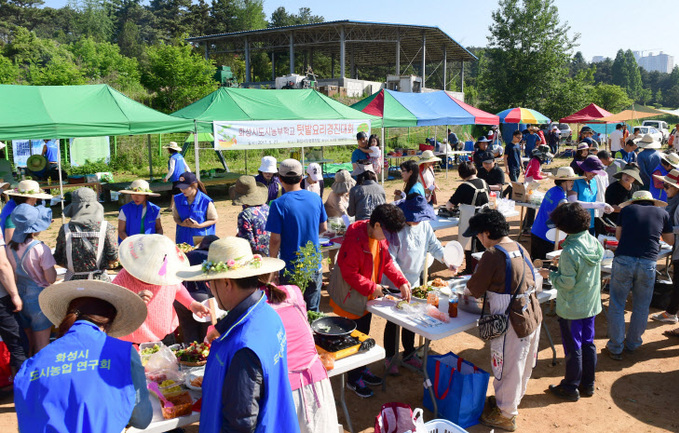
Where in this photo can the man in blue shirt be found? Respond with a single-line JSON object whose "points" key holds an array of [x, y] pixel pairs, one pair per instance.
{"points": [[648, 159], [453, 140], [532, 140], [628, 152], [513, 157], [295, 218], [358, 155]]}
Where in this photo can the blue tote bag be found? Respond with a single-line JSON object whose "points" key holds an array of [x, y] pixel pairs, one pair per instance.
{"points": [[459, 387]]}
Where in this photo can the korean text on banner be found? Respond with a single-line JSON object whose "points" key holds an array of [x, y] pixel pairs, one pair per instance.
{"points": [[286, 133]]}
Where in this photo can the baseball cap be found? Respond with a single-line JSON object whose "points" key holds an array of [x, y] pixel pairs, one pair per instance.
{"points": [[186, 179], [314, 172], [361, 135], [290, 167]]}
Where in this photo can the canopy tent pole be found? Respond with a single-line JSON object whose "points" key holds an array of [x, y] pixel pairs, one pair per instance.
{"points": [[148, 139], [160, 145], [302, 159], [382, 159], [61, 185], [246, 161], [446, 152], [195, 148], [115, 146]]}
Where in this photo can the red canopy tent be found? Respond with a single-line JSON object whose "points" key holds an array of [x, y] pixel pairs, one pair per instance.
{"points": [[590, 112]]}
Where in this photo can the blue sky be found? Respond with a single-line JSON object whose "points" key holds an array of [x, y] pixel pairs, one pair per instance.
{"points": [[604, 25]]}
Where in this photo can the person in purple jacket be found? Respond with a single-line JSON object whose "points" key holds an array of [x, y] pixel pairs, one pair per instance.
{"points": [[268, 176]]}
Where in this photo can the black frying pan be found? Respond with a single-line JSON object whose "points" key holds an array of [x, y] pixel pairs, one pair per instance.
{"points": [[333, 326]]}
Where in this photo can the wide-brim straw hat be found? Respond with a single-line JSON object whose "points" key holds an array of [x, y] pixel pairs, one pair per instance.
{"points": [[140, 187], [36, 162], [566, 173], [428, 156], [28, 189], [672, 178], [247, 191], [153, 259], [643, 196], [131, 309], [173, 145], [647, 142], [671, 158], [633, 171], [232, 258], [343, 182]]}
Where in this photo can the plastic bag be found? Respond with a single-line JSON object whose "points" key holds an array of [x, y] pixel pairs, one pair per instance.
{"points": [[163, 359]]}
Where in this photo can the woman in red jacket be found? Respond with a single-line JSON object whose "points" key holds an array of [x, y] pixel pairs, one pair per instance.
{"points": [[363, 259]]}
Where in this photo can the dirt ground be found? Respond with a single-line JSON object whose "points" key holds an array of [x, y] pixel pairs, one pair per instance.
{"points": [[637, 394]]}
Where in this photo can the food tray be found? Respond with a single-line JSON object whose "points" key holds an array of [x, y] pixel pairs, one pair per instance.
{"points": [[193, 374], [192, 364], [183, 404]]}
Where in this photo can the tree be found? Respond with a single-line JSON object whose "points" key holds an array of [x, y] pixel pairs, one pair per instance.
{"points": [[172, 17], [281, 18], [9, 73], [625, 73], [610, 97], [527, 57], [177, 75], [578, 64], [101, 62]]}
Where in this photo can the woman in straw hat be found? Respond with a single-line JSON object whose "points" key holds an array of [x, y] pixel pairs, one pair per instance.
{"points": [[33, 265], [540, 243], [149, 265], [176, 165], [193, 211], [252, 220], [87, 380], [139, 216], [668, 161], [628, 182], [671, 186], [426, 164], [29, 192], [338, 200], [87, 244], [252, 342]]}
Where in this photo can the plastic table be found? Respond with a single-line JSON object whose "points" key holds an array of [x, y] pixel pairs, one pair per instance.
{"points": [[160, 424]]}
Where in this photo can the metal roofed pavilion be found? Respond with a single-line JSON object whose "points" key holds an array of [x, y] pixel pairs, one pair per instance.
{"points": [[358, 43]]}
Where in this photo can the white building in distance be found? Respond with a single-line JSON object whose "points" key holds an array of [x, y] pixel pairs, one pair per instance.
{"points": [[660, 62]]}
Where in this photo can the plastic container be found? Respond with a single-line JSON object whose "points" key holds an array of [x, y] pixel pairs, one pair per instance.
{"points": [[183, 404], [452, 307], [443, 426]]}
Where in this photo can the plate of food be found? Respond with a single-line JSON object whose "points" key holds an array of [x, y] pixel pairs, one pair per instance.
{"points": [[420, 293], [194, 379], [195, 355]]}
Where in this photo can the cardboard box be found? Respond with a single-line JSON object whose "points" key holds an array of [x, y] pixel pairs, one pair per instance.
{"points": [[519, 192]]}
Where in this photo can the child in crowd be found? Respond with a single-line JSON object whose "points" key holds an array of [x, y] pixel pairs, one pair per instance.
{"points": [[374, 153], [314, 180], [539, 156], [139, 216], [33, 265], [578, 283], [268, 176]]}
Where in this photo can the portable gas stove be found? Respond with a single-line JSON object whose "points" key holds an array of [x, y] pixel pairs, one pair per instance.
{"points": [[345, 345]]}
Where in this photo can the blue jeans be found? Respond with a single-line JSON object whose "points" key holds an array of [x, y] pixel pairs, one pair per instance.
{"points": [[312, 294], [638, 276]]}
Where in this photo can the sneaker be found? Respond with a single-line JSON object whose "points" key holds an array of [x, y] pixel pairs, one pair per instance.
{"points": [[586, 391], [613, 356], [391, 367], [370, 379], [561, 392], [495, 419], [664, 317], [360, 389], [414, 361]]}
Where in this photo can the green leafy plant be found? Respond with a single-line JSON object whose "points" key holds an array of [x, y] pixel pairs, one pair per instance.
{"points": [[307, 262]]}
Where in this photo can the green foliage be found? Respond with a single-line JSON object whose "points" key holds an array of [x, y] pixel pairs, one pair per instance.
{"points": [[8, 71], [177, 75], [89, 167], [304, 266], [101, 62], [625, 73], [610, 97], [527, 57]]}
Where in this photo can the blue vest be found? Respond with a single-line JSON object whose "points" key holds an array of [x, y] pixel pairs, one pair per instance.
{"points": [[6, 212], [587, 193], [133, 218], [553, 197], [179, 166], [658, 193], [81, 383], [196, 210], [260, 330], [52, 154]]}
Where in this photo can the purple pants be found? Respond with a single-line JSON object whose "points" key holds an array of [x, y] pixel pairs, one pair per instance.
{"points": [[577, 337]]}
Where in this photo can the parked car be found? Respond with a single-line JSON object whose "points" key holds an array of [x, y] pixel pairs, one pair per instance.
{"points": [[657, 135], [660, 126], [564, 130]]}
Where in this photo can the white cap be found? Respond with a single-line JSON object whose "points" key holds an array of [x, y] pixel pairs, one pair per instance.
{"points": [[314, 171], [268, 165]]}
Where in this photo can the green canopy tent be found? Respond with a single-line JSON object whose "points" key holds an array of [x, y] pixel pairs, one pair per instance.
{"points": [[41, 112], [264, 110]]}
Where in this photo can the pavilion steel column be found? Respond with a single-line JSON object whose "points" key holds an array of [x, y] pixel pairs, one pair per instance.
{"points": [[398, 54], [247, 60], [462, 78], [273, 66], [292, 53], [424, 59], [207, 52], [445, 68], [343, 55]]}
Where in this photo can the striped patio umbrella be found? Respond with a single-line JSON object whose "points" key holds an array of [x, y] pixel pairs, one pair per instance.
{"points": [[522, 115]]}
